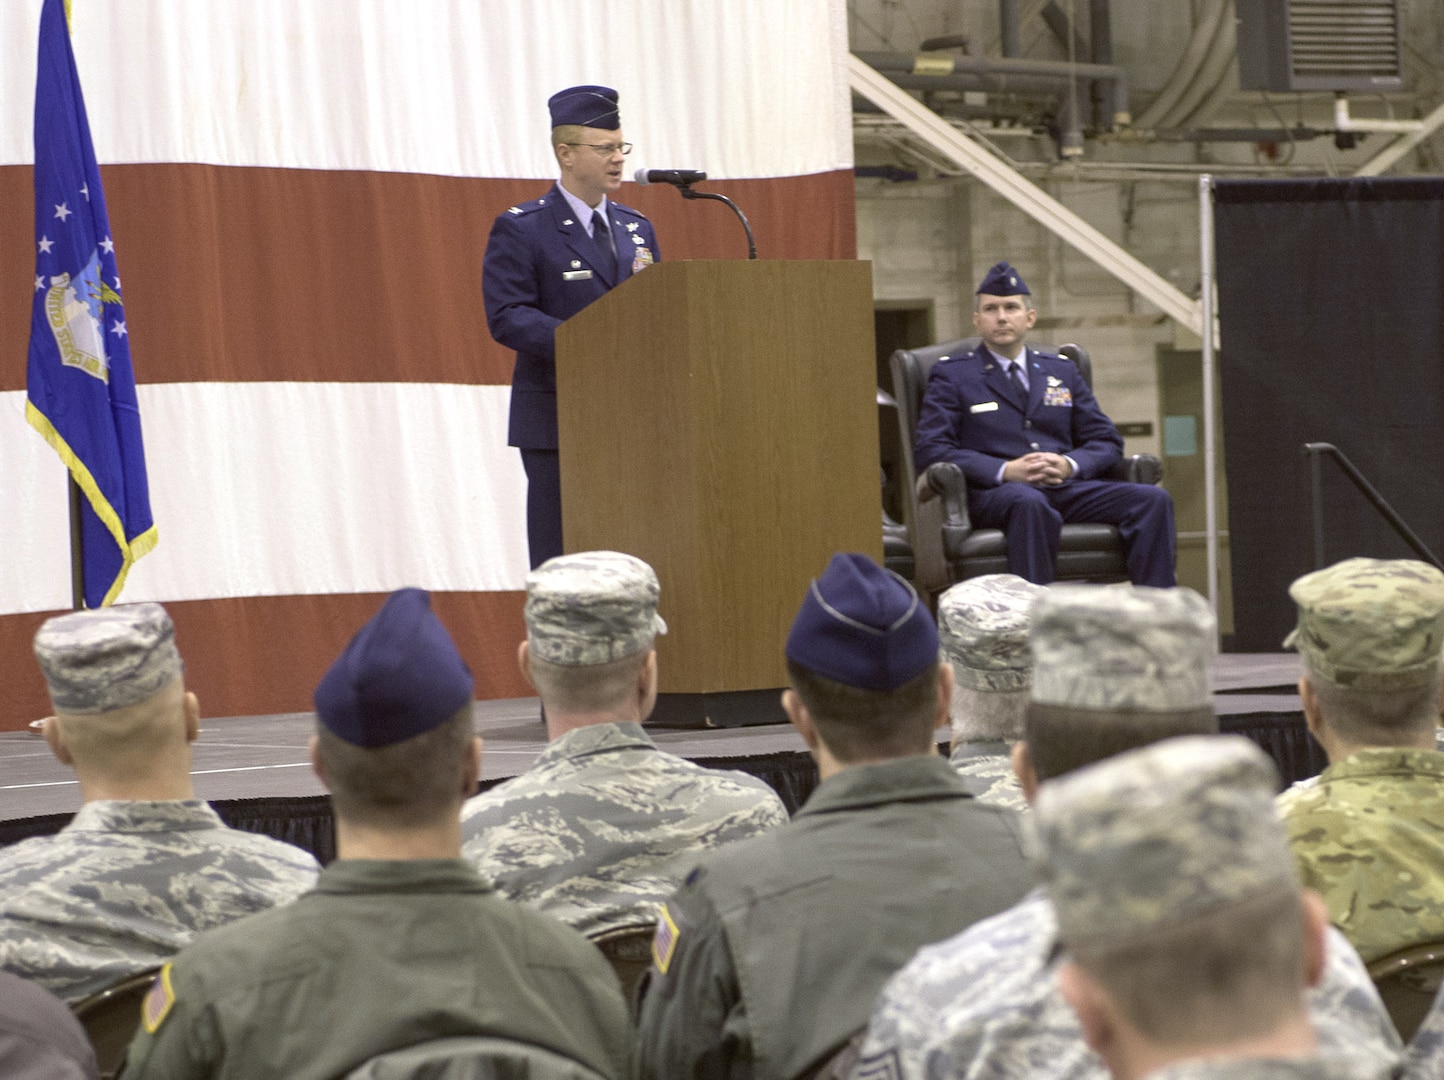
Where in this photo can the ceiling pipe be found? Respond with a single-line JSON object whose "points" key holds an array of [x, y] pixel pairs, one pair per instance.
{"points": [[1009, 24], [1100, 51], [936, 68], [1349, 125]]}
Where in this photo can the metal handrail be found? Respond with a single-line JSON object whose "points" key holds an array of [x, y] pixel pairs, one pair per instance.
{"points": [[1316, 450]]}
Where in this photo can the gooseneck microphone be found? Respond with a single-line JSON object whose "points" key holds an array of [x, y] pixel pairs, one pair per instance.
{"points": [[683, 179], [680, 177]]}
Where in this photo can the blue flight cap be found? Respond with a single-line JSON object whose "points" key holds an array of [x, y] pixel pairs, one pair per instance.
{"points": [[400, 676], [863, 626], [1003, 280], [587, 106]]}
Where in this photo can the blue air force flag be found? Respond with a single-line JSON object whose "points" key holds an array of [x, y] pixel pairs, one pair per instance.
{"points": [[80, 387]]}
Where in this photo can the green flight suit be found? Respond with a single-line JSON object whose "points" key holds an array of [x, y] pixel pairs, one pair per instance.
{"points": [[768, 959], [381, 955]]}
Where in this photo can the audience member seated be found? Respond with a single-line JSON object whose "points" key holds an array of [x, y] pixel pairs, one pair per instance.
{"points": [[1188, 943], [1369, 836], [604, 826], [39, 1038], [145, 865], [983, 624], [767, 960], [401, 942], [1113, 669]]}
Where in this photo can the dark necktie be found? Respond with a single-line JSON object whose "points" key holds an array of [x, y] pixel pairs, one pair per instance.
{"points": [[1016, 374], [602, 237]]}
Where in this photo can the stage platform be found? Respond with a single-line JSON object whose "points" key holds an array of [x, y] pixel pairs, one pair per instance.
{"points": [[255, 769]]}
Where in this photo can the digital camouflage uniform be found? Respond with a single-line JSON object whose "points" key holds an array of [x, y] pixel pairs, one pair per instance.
{"points": [[1369, 833], [1151, 840], [985, 1004], [1425, 1058], [983, 628], [986, 770], [126, 884], [1268, 1069], [605, 826]]}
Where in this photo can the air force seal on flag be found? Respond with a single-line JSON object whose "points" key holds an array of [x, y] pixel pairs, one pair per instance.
{"points": [[75, 313]]}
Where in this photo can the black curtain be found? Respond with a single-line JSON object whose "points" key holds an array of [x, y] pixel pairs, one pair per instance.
{"points": [[1331, 309]]}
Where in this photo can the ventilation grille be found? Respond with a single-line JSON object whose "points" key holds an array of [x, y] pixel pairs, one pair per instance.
{"points": [[1344, 41]]}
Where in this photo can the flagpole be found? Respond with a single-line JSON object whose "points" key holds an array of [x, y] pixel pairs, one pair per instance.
{"points": [[77, 547]]}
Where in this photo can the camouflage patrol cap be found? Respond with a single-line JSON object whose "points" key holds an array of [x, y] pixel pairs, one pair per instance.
{"points": [[101, 660], [1123, 648], [1153, 837], [1373, 624], [592, 608], [983, 626]]}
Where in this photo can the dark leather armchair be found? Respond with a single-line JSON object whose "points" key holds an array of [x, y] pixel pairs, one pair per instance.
{"points": [[946, 548]]}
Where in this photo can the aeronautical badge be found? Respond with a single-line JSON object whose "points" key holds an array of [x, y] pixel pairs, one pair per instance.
{"points": [[642, 260], [664, 944], [633, 226], [639, 240], [1058, 395], [1053, 380], [158, 1001], [75, 313]]}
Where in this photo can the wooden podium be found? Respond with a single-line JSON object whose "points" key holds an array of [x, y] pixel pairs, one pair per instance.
{"points": [[719, 420]]}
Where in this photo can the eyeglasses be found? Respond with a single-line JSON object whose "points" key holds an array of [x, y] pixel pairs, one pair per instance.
{"points": [[606, 149]]}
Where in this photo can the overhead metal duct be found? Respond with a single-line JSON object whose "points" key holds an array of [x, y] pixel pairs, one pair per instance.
{"points": [[1297, 45]]}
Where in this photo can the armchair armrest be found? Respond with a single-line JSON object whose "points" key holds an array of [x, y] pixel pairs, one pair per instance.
{"points": [[1138, 469], [942, 523]]}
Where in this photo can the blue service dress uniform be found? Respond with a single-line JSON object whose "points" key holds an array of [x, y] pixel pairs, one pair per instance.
{"points": [[541, 268], [975, 416]]}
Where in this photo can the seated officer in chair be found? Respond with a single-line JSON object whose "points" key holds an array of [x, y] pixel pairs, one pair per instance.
{"points": [[1028, 434]]}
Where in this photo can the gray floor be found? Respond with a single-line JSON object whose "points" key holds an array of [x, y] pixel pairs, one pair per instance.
{"points": [[259, 756]]}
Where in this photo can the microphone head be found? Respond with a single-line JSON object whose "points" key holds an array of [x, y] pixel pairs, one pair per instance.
{"points": [[640, 176]]}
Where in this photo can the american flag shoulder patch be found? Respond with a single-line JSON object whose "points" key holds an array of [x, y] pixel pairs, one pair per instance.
{"points": [[665, 942], [157, 1004]]}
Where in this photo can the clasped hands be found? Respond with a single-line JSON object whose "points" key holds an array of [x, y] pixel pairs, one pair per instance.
{"points": [[1039, 468]]}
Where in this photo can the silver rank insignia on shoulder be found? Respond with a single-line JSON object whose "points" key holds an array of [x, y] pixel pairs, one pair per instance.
{"points": [[514, 210]]}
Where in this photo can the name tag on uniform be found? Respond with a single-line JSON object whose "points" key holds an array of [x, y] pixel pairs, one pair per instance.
{"points": [[576, 275], [985, 406]]}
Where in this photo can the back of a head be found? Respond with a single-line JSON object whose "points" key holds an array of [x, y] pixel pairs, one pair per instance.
{"points": [[1174, 888], [1116, 668], [863, 656], [591, 619], [983, 626], [1370, 633], [394, 719], [114, 677]]}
